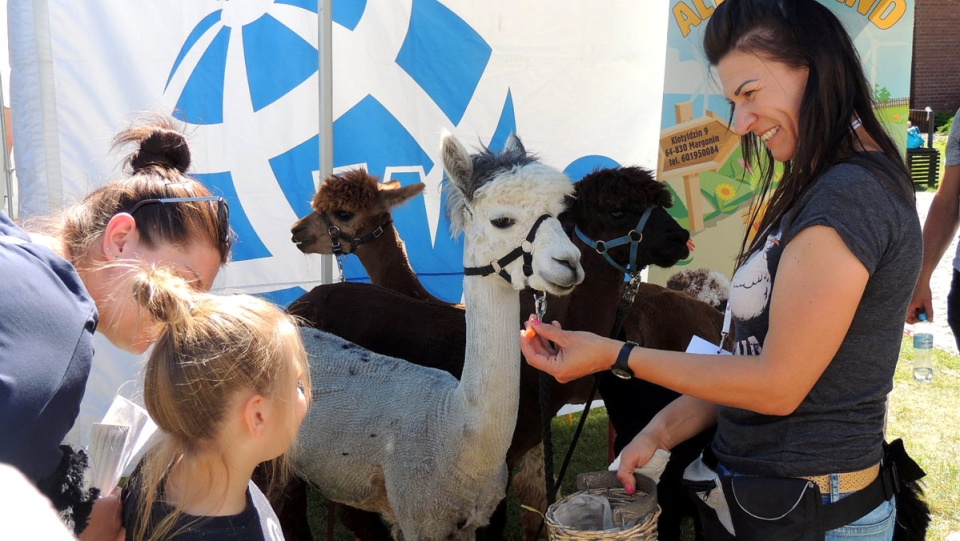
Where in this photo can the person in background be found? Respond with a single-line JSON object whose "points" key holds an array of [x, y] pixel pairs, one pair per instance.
{"points": [[914, 137], [939, 229], [817, 298], [73, 278], [228, 383]]}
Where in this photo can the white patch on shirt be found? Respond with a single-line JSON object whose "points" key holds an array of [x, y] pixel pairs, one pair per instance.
{"points": [[751, 285]]}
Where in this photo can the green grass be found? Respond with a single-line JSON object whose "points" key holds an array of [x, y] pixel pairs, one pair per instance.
{"points": [[925, 415]]}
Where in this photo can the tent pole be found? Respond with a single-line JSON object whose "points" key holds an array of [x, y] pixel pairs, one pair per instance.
{"points": [[5, 157], [325, 84]]}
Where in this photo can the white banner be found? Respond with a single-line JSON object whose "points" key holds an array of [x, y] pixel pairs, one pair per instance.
{"points": [[580, 82]]}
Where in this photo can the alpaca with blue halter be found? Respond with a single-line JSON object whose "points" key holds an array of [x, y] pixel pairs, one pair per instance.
{"points": [[634, 237], [412, 443], [606, 203]]}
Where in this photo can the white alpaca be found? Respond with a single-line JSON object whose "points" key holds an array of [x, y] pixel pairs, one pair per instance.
{"points": [[412, 443]]}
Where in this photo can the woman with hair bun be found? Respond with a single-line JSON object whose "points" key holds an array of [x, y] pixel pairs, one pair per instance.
{"points": [[74, 278], [228, 383]]}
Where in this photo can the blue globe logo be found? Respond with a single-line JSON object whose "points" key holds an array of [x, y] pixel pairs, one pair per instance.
{"points": [[254, 63]]}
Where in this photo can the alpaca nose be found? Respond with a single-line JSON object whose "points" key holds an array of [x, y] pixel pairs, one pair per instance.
{"points": [[300, 234], [568, 263], [679, 235]]}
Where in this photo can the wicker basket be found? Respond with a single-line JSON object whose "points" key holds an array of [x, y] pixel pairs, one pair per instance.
{"points": [[640, 506]]}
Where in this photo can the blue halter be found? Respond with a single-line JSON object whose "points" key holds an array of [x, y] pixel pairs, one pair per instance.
{"points": [[634, 237]]}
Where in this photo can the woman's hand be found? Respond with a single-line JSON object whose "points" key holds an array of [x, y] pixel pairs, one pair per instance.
{"points": [[571, 355], [636, 455], [921, 303], [105, 523]]}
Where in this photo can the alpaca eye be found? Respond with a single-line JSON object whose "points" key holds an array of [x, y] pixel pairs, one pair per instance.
{"points": [[502, 223], [343, 215]]}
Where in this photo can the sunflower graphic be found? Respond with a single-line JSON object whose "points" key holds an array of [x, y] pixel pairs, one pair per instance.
{"points": [[725, 193]]}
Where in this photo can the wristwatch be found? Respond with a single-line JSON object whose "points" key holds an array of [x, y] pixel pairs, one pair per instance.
{"points": [[621, 368]]}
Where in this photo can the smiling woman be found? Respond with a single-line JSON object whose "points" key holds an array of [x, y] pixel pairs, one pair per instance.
{"points": [[823, 280], [76, 280]]}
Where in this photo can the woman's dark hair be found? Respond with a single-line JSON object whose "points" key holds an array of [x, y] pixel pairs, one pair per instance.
{"points": [[156, 169], [803, 33]]}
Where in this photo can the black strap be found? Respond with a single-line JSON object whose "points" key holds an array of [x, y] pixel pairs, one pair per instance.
{"points": [[373, 235], [525, 249], [336, 233], [853, 506], [861, 502]]}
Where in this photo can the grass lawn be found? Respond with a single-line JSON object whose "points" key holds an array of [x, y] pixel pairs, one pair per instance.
{"points": [[925, 415]]}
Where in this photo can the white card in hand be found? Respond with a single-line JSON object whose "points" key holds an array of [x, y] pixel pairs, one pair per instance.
{"points": [[703, 347]]}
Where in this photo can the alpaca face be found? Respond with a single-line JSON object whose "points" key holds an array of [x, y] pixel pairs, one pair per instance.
{"points": [[609, 204], [496, 207], [355, 203]]}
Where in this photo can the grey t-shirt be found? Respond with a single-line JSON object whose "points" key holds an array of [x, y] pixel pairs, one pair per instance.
{"points": [[839, 425]]}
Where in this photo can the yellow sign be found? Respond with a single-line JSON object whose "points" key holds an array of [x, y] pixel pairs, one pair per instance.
{"points": [[701, 144]]}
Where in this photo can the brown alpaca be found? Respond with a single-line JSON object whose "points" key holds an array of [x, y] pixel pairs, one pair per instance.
{"points": [[357, 205], [608, 204]]}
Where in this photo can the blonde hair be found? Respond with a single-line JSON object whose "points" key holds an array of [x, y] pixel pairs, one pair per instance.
{"points": [[156, 169], [209, 348]]}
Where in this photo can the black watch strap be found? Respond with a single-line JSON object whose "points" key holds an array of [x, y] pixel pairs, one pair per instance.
{"points": [[621, 368]]}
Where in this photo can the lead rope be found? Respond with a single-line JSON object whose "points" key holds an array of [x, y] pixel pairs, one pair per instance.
{"points": [[545, 392], [340, 267], [626, 300]]}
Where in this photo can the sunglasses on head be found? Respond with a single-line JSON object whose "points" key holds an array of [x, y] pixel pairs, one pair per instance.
{"points": [[223, 210]]}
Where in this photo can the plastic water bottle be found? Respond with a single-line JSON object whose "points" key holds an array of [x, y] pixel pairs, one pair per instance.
{"points": [[923, 350]]}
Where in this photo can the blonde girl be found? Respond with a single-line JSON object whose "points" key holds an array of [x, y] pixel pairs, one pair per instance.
{"points": [[228, 383]]}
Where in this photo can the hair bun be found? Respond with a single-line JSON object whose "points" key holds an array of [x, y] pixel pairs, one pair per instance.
{"points": [[160, 142], [164, 148]]}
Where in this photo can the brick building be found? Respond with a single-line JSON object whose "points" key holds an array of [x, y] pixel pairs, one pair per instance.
{"points": [[935, 77]]}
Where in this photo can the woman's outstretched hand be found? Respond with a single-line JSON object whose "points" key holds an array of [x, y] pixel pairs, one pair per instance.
{"points": [[566, 355]]}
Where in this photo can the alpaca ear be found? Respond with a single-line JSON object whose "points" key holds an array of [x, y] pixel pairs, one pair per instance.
{"points": [[456, 161], [513, 144], [393, 197], [388, 185]]}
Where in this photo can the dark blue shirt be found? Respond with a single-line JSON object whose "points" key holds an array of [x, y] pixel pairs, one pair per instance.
{"points": [[47, 321], [257, 522]]}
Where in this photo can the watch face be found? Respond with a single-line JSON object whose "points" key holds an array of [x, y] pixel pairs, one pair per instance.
{"points": [[621, 373]]}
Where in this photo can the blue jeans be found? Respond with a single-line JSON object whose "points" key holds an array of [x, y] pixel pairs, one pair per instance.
{"points": [[877, 525]]}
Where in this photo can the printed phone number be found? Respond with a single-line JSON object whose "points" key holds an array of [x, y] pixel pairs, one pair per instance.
{"points": [[686, 155]]}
